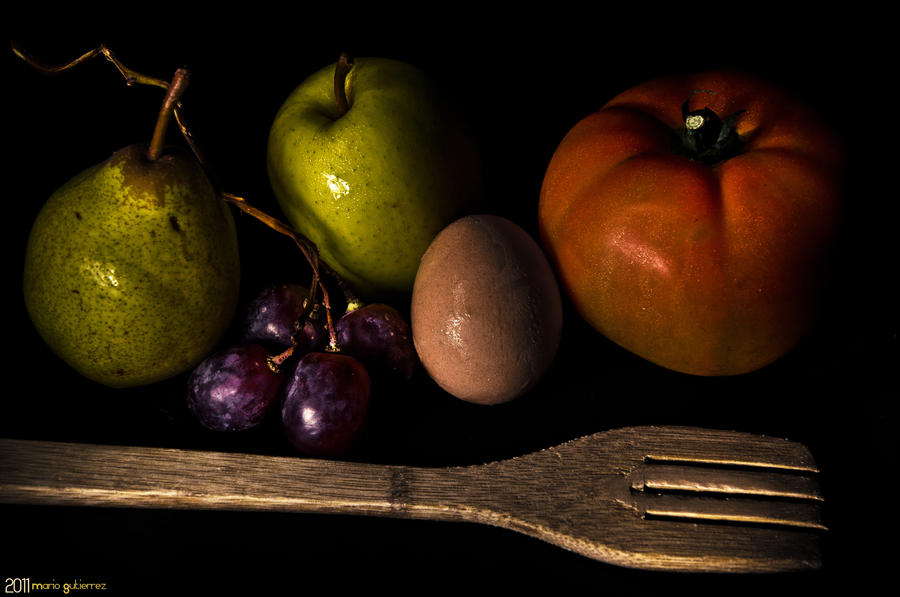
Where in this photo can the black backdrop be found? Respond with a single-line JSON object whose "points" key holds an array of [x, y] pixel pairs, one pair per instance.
{"points": [[523, 81]]}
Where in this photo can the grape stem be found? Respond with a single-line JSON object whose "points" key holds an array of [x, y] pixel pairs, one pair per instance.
{"points": [[307, 247], [277, 361], [172, 107]]}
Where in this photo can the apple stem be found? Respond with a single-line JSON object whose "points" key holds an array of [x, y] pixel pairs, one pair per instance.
{"points": [[341, 70], [173, 96]]}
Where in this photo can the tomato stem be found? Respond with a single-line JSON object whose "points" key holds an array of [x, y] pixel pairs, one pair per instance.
{"points": [[705, 137]]}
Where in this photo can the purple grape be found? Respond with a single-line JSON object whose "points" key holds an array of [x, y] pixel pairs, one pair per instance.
{"points": [[274, 319], [379, 336], [234, 389], [325, 403]]}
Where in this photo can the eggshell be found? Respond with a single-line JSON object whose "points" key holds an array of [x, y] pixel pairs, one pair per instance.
{"points": [[486, 312]]}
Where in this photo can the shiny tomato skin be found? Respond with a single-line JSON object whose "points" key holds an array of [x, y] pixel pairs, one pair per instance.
{"points": [[703, 269]]}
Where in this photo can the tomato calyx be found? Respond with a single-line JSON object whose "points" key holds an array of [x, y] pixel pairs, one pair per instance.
{"points": [[705, 137]]}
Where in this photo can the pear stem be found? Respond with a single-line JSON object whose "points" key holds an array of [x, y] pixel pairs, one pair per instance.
{"points": [[173, 96], [341, 70]]}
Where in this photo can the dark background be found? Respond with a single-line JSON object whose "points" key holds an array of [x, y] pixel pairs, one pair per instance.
{"points": [[523, 80]]}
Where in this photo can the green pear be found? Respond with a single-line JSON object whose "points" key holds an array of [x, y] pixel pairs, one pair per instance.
{"points": [[372, 186], [132, 269]]}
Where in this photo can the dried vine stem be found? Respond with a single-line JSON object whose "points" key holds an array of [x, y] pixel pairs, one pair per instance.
{"points": [[307, 247], [131, 78]]}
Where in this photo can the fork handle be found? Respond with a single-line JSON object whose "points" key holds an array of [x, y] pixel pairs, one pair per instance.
{"points": [[55, 473]]}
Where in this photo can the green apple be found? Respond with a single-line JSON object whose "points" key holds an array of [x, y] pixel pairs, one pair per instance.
{"points": [[372, 183]]}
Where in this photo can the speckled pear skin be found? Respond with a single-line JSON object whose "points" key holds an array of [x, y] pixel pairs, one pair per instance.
{"points": [[132, 269], [373, 187]]}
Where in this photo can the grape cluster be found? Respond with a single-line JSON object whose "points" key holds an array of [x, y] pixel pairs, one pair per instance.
{"points": [[286, 358]]}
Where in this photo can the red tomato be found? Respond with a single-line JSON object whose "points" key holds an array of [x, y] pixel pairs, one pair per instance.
{"points": [[704, 260]]}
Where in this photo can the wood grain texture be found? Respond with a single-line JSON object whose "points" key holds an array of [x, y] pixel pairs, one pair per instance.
{"points": [[584, 495]]}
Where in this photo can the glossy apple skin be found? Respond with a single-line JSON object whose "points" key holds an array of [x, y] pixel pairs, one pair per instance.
{"points": [[703, 269], [374, 186]]}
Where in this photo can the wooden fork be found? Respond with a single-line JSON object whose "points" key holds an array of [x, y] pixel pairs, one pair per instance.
{"points": [[663, 498]]}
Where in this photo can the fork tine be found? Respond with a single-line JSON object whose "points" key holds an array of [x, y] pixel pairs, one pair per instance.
{"points": [[664, 543], [769, 483], [734, 510], [730, 448]]}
